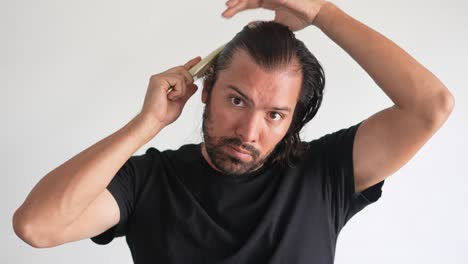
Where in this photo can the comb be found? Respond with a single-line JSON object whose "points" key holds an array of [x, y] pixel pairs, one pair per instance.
{"points": [[199, 69]]}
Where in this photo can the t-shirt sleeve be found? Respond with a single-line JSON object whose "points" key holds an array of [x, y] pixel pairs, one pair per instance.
{"points": [[126, 187], [336, 150]]}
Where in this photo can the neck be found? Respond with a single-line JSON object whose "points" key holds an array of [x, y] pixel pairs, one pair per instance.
{"points": [[207, 157]]}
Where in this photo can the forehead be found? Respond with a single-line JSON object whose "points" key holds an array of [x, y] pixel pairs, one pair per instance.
{"points": [[264, 87]]}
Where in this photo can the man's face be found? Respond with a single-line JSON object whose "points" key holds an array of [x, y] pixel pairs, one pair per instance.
{"points": [[247, 113]]}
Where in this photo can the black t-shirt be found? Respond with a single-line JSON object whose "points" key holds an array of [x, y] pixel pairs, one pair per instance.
{"points": [[175, 208]]}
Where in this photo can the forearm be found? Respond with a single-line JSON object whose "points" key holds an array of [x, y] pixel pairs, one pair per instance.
{"points": [[406, 82], [65, 192]]}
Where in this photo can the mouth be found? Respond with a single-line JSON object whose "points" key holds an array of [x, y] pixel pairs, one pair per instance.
{"points": [[239, 153], [240, 150]]}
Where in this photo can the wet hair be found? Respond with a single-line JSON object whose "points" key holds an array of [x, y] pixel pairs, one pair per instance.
{"points": [[273, 46]]}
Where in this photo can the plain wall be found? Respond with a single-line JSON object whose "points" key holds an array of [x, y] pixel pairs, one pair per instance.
{"points": [[73, 72]]}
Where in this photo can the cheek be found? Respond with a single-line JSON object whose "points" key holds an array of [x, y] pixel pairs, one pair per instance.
{"points": [[224, 119], [273, 135]]}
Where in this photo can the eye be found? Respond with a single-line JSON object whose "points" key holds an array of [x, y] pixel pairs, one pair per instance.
{"points": [[275, 116], [236, 101]]}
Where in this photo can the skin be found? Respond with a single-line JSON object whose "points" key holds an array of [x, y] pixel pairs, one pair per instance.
{"points": [[250, 108], [71, 202], [387, 140]]}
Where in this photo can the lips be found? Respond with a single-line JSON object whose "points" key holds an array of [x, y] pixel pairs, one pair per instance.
{"points": [[240, 150], [239, 153]]}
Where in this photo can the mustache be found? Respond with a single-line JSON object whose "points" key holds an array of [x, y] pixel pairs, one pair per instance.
{"points": [[237, 142]]}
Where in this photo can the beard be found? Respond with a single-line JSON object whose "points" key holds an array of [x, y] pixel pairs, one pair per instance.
{"points": [[223, 161]]}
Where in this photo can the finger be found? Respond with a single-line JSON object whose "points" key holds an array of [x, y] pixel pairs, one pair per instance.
{"points": [[187, 65], [231, 11], [181, 70], [170, 84], [177, 90], [191, 89], [280, 20], [231, 3], [187, 76], [192, 62], [176, 87]]}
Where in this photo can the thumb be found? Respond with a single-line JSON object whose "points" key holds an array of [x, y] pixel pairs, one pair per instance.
{"points": [[281, 20]]}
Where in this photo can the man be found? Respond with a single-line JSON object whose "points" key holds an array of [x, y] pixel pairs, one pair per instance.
{"points": [[252, 192]]}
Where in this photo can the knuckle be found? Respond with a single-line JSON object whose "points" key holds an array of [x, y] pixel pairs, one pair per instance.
{"points": [[181, 78], [189, 76], [153, 77]]}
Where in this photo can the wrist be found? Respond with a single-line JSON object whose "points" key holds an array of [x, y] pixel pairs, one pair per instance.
{"points": [[324, 15], [148, 125]]}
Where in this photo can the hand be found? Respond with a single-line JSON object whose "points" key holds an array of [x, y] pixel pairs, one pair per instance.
{"points": [[296, 14], [168, 92]]}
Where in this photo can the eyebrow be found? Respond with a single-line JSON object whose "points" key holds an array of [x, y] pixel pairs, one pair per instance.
{"points": [[287, 109], [240, 92]]}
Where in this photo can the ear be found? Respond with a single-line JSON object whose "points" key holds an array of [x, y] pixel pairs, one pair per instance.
{"points": [[204, 94], [208, 85], [204, 97]]}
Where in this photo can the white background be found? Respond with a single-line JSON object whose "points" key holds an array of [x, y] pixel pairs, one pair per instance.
{"points": [[73, 72]]}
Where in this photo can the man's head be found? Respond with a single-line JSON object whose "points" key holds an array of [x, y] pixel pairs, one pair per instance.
{"points": [[262, 89]]}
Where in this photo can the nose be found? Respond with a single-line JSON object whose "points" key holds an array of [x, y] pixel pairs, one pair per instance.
{"points": [[249, 127]]}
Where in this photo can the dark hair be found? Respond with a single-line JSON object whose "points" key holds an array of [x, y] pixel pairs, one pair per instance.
{"points": [[272, 45]]}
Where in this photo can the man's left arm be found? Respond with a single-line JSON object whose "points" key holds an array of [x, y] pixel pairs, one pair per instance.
{"points": [[388, 139]]}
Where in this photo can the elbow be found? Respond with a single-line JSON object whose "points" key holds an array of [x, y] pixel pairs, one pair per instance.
{"points": [[449, 102], [442, 108], [445, 106], [26, 232]]}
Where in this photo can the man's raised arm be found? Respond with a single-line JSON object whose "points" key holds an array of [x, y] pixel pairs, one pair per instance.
{"points": [[390, 138]]}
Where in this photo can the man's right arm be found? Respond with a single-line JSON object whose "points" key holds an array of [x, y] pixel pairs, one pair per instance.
{"points": [[72, 201]]}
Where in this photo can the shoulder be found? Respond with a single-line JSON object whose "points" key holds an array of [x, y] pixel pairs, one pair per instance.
{"points": [[335, 141], [186, 149], [330, 146], [184, 154]]}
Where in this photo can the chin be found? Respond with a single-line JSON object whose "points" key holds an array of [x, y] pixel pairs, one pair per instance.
{"points": [[235, 167]]}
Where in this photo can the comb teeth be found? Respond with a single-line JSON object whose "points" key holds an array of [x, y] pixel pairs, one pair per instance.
{"points": [[199, 69]]}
